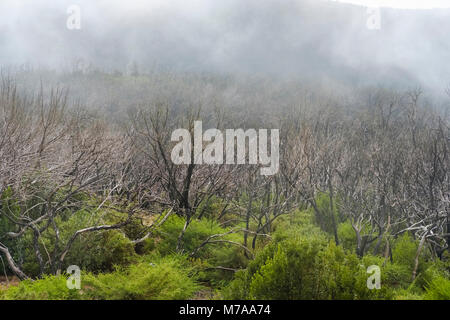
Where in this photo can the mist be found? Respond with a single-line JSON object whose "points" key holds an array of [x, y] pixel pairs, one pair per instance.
{"points": [[134, 152], [308, 39]]}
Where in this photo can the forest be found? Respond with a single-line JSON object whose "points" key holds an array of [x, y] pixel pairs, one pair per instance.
{"points": [[86, 180]]}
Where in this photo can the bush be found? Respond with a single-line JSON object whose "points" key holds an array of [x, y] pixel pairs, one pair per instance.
{"points": [[288, 274], [404, 253], [326, 217], [393, 275], [304, 268], [47, 288], [92, 251], [438, 269], [286, 228], [196, 233], [210, 208], [295, 224], [396, 275], [343, 276], [438, 289], [211, 255], [347, 236], [406, 294], [95, 251], [101, 251], [165, 278]]}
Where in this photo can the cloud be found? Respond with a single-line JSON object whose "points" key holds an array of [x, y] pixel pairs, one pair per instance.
{"points": [[401, 4], [307, 38]]}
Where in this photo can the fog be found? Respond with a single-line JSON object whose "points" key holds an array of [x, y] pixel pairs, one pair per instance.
{"points": [[311, 39]]}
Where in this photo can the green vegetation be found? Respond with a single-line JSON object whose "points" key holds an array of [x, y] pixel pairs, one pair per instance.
{"points": [[164, 278], [300, 262], [47, 288], [97, 189]]}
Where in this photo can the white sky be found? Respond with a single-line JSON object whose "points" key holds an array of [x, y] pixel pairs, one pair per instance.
{"points": [[405, 4], [199, 4]]}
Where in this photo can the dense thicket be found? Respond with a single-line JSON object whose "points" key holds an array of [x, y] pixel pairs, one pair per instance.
{"points": [[91, 183]]}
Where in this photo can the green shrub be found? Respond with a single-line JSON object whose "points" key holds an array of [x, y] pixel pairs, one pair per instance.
{"points": [[95, 251], [211, 207], [407, 294], [393, 275], [438, 289], [165, 278], [404, 253], [437, 269], [288, 274], [324, 220], [145, 247], [303, 268], [342, 276], [396, 275], [295, 224], [213, 254], [101, 251], [92, 251], [286, 228], [196, 233], [47, 288], [347, 236]]}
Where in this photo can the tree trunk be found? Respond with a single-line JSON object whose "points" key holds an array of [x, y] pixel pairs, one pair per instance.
{"points": [[12, 265], [247, 218], [181, 236], [416, 263], [448, 232], [333, 218]]}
